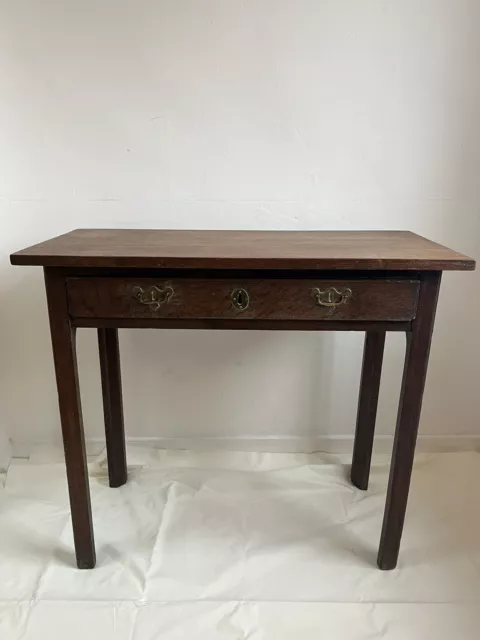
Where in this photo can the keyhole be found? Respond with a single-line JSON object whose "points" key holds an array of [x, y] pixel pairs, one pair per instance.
{"points": [[240, 299]]}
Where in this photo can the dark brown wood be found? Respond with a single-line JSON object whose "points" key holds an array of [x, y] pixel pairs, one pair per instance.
{"points": [[367, 407], [91, 277], [63, 343], [113, 405], [239, 325], [240, 274], [157, 248], [416, 363], [369, 300]]}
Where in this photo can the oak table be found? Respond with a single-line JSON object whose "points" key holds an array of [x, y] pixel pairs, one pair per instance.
{"points": [[371, 281]]}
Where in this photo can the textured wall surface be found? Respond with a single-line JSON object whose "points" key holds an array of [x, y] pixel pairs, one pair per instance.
{"points": [[265, 114]]}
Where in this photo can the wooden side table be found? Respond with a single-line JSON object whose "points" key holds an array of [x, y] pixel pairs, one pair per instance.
{"points": [[344, 281]]}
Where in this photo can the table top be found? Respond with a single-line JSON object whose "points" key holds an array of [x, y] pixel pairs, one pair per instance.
{"points": [[158, 248]]}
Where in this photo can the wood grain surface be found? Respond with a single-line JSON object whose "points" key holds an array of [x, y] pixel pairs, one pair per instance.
{"points": [[409, 410], [65, 361], [145, 248], [380, 300]]}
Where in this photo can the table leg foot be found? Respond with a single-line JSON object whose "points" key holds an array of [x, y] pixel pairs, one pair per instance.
{"points": [[386, 564], [86, 563]]}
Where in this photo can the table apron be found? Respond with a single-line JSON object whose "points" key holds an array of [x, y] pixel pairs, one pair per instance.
{"points": [[239, 325], [241, 303]]}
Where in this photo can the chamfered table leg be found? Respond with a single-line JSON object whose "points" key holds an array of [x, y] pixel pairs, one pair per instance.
{"points": [[414, 375], [64, 355], [113, 405], [367, 407]]}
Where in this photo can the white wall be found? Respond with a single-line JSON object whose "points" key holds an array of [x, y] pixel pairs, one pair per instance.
{"points": [[266, 114]]}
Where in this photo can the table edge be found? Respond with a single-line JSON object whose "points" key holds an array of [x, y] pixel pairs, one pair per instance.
{"points": [[145, 262]]}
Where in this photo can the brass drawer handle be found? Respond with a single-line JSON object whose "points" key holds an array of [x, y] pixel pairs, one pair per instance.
{"points": [[153, 296], [240, 299], [331, 297]]}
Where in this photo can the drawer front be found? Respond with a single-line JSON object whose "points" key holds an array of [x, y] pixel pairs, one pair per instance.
{"points": [[266, 299]]}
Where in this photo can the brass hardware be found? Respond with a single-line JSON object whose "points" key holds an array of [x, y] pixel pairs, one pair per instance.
{"points": [[240, 299], [153, 296], [331, 297]]}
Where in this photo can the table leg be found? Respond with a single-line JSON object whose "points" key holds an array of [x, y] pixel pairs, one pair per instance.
{"points": [[64, 355], [367, 407], [113, 406], [414, 375]]}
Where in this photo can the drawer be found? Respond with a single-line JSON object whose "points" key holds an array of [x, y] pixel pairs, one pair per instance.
{"points": [[223, 298]]}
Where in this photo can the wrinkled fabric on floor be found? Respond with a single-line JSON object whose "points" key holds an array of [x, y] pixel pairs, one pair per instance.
{"points": [[240, 546]]}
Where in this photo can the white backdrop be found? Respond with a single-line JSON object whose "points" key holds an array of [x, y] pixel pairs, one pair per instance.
{"points": [[275, 114]]}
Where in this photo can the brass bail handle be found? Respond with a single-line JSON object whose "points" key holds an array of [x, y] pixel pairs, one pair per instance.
{"points": [[331, 297], [153, 296]]}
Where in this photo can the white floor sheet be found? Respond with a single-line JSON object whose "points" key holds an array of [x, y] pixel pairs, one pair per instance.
{"points": [[237, 546]]}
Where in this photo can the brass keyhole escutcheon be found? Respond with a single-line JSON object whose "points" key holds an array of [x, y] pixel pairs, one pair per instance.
{"points": [[240, 299]]}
